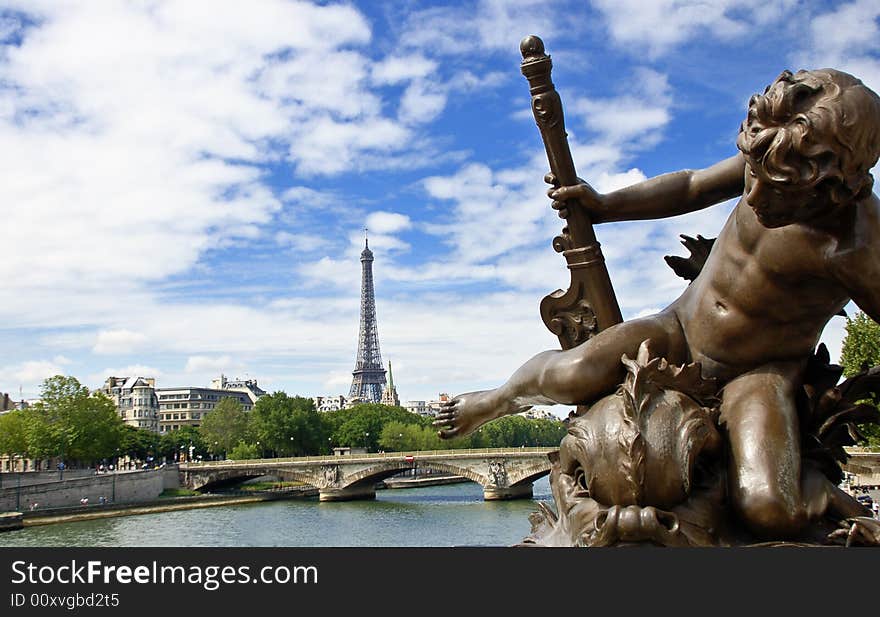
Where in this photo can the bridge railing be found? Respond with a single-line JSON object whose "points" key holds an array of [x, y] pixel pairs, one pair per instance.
{"points": [[415, 454]]}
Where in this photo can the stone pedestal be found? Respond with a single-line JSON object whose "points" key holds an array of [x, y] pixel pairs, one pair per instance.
{"points": [[520, 491], [347, 494]]}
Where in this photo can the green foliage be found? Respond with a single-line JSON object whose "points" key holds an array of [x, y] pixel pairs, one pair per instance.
{"points": [[861, 349], [361, 426], [287, 426], [516, 431], [175, 442], [13, 433], [179, 492], [243, 451], [67, 422], [398, 437], [139, 443], [225, 426]]}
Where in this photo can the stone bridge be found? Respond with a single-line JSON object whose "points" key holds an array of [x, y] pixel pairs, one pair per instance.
{"points": [[504, 473]]}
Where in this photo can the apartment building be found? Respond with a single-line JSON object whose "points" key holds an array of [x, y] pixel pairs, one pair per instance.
{"points": [[135, 399], [179, 407]]}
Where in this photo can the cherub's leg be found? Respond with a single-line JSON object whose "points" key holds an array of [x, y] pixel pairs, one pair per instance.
{"points": [[578, 375], [759, 415], [771, 491]]}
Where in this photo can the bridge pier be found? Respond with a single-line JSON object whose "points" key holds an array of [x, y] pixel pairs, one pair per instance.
{"points": [[351, 493], [497, 493]]}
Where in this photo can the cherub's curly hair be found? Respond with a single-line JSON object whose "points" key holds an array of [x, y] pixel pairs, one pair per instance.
{"points": [[815, 128]]}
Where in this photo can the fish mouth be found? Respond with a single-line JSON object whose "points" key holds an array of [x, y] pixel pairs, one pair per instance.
{"points": [[638, 524]]}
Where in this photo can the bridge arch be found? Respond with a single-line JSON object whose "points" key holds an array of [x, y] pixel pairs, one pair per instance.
{"points": [[530, 479], [387, 469], [229, 477]]}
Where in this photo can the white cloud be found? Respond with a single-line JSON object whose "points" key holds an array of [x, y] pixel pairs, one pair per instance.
{"points": [[632, 120], [300, 242], [119, 342], [846, 39], [202, 364], [325, 145], [31, 372], [387, 222], [132, 370], [479, 25], [337, 382], [396, 69], [659, 25], [422, 102], [152, 126], [308, 197]]}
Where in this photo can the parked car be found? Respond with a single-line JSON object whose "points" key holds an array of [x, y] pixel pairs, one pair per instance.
{"points": [[866, 501]]}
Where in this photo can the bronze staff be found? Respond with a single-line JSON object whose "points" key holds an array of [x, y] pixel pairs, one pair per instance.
{"points": [[589, 305]]}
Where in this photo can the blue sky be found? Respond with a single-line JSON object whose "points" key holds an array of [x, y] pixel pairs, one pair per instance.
{"points": [[185, 183]]}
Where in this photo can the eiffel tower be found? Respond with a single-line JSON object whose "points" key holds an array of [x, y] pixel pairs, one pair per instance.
{"points": [[369, 374]]}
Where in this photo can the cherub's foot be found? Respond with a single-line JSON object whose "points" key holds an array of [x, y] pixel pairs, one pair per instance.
{"points": [[859, 530], [466, 412]]}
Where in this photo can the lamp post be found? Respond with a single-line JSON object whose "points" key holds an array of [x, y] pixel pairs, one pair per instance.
{"points": [[366, 436]]}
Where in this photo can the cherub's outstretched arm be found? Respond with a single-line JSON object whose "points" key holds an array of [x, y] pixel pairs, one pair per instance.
{"points": [[667, 195]]}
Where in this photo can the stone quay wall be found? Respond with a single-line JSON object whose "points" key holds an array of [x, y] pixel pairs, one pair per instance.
{"points": [[11, 478], [123, 487]]}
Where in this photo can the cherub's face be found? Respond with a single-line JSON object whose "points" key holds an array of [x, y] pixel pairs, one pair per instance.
{"points": [[777, 204]]}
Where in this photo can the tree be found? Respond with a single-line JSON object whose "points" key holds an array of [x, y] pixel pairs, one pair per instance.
{"points": [[226, 426], [243, 451], [175, 442], [361, 426], [397, 437], [288, 426], [861, 349], [13, 433], [71, 423], [517, 431], [139, 443]]}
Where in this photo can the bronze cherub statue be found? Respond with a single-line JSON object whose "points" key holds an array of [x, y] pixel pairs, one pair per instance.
{"points": [[717, 381]]}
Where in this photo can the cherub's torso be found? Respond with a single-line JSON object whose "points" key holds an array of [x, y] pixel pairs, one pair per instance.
{"points": [[764, 295]]}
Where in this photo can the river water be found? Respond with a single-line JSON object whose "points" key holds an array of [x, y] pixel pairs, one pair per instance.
{"points": [[449, 515]]}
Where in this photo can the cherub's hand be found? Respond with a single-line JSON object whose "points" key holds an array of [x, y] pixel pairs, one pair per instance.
{"points": [[582, 193]]}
